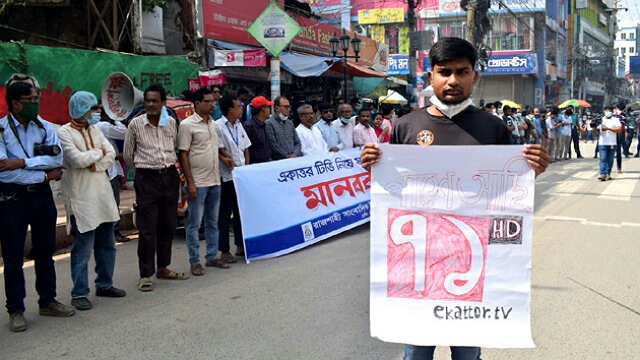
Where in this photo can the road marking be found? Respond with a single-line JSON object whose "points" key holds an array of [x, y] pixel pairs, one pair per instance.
{"points": [[620, 188], [565, 188], [583, 221]]}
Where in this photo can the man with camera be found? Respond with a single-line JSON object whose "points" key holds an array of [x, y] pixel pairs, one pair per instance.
{"points": [[30, 157]]}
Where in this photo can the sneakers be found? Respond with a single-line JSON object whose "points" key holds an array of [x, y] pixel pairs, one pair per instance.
{"points": [[81, 303], [57, 309], [608, 177], [111, 292], [17, 322], [602, 177]]}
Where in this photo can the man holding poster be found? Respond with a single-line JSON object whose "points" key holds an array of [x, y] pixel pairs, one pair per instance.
{"points": [[451, 120]]}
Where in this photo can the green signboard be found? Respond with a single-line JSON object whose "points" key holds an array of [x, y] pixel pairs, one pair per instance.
{"points": [[274, 29], [62, 71]]}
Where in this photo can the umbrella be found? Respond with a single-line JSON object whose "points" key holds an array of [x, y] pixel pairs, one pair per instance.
{"points": [[574, 103], [510, 104], [392, 97]]}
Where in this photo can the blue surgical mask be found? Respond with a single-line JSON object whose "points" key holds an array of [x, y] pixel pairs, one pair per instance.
{"points": [[164, 117], [94, 119], [607, 114]]}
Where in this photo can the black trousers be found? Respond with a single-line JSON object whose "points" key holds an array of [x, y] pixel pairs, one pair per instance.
{"points": [[575, 137], [228, 206], [156, 213], [20, 208], [115, 186], [621, 142]]}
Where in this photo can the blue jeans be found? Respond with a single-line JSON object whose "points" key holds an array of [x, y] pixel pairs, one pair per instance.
{"points": [[206, 205], [413, 352], [607, 153], [102, 243]]}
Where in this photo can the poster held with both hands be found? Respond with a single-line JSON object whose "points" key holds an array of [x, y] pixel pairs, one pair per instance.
{"points": [[451, 232]]}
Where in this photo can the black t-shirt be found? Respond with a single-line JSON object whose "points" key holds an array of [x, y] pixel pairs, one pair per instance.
{"points": [[470, 127]]}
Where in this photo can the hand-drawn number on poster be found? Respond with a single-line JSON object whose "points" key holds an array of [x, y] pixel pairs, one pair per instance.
{"points": [[441, 256]]}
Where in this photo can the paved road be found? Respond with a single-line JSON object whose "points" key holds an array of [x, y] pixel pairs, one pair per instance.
{"points": [[313, 304]]}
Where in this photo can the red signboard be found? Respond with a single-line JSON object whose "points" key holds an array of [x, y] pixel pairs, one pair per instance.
{"points": [[228, 20]]}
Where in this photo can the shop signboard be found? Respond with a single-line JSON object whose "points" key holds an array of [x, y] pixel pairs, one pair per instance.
{"points": [[505, 64], [398, 64], [228, 20], [450, 7], [246, 57], [381, 16]]}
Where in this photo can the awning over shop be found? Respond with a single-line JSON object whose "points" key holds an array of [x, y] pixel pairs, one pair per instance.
{"points": [[357, 70], [304, 65], [231, 46]]}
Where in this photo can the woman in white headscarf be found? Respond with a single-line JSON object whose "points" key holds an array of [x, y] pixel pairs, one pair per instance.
{"points": [[90, 206]]}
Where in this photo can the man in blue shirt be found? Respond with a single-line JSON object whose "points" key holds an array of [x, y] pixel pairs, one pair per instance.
{"points": [[329, 133], [30, 157]]}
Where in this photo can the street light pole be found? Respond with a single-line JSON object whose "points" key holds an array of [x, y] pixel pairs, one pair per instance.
{"points": [[343, 43]]}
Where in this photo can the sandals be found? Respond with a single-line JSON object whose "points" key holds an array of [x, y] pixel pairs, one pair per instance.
{"points": [[197, 270], [172, 275], [217, 263], [228, 258], [145, 285]]}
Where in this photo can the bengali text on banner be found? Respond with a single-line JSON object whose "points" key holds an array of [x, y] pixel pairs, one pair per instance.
{"points": [[290, 204]]}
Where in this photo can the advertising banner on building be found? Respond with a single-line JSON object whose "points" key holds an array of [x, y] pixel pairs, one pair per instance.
{"points": [[451, 231], [398, 64], [451, 7], [274, 29], [381, 16], [59, 77], [289, 204], [253, 57], [505, 64]]}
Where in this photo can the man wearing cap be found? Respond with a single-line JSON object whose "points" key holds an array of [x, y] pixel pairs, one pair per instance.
{"points": [[260, 149], [30, 156], [283, 138], [329, 133], [88, 198]]}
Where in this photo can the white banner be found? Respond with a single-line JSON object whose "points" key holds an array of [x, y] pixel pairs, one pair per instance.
{"points": [[290, 204], [451, 246]]}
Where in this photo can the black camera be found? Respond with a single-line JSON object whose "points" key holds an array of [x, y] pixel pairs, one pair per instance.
{"points": [[46, 150]]}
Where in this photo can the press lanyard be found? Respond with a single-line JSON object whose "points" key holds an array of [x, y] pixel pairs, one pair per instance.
{"points": [[235, 138], [15, 133]]}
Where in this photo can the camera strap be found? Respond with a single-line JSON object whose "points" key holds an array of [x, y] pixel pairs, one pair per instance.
{"points": [[14, 130]]}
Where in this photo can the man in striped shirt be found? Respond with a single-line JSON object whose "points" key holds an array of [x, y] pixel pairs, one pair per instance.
{"points": [[149, 147]]}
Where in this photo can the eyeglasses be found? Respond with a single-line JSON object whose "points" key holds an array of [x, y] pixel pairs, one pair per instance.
{"points": [[33, 99], [306, 114]]}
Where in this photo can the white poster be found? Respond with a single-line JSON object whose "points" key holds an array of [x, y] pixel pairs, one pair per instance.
{"points": [[451, 230], [290, 204]]}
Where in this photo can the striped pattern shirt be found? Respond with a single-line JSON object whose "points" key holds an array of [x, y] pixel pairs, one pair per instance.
{"points": [[150, 147]]}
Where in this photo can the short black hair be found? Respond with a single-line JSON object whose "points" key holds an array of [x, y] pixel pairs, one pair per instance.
{"points": [[226, 103], [156, 88], [199, 94], [497, 104], [489, 106], [16, 91], [364, 109], [276, 101], [505, 108], [553, 111], [243, 91], [187, 95], [386, 109], [451, 48]]}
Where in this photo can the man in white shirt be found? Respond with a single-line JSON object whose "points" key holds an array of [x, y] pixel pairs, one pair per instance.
{"points": [[114, 130], [363, 132], [310, 136], [344, 125], [607, 142], [235, 142]]}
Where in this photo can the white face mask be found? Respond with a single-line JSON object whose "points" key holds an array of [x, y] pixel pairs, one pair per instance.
{"points": [[451, 110], [281, 116], [607, 114]]}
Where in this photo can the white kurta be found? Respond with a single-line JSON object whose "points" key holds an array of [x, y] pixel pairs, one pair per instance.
{"points": [[86, 189]]}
